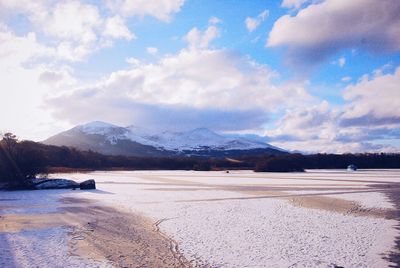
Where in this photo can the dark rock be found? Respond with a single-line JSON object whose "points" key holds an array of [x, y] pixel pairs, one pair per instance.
{"points": [[87, 185], [44, 184]]}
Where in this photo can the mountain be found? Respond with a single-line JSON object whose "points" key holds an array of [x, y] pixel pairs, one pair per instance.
{"points": [[134, 141]]}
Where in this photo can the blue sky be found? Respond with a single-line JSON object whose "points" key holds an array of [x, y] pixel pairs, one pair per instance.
{"points": [[306, 75]]}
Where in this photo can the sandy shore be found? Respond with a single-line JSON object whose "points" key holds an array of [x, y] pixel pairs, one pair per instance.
{"points": [[98, 236]]}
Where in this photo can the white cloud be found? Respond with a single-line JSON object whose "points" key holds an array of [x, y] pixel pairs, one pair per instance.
{"points": [[341, 61], [198, 39], [196, 86], [73, 29], [374, 100], [152, 50], [160, 9], [253, 23], [25, 82], [188, 79], [115, 27], [346, 79], [71, 21], [383, 69], [214, 20], [318, 128], [306, 123], [370, 116], [294, 4], [35, 9], [322, 29], [15, 50], [57, 77], [339, 147], [132, 61]]}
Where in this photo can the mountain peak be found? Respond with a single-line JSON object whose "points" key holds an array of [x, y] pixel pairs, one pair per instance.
{"points": [[99, 127], [202, 130], [97, 124], [203, 135]]}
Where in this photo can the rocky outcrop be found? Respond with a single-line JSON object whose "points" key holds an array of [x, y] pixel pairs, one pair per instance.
{"points": [[87, 185], [47, 184], [43, 184]]}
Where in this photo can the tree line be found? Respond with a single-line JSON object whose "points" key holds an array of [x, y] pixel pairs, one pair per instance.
{"points": [[23, 160], [299, 162]]}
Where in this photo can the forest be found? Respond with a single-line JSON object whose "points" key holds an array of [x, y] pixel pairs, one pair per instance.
{"points": [[23, 160]]}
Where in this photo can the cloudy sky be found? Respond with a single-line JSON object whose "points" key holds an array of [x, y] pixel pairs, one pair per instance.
{"points": [[309, 75]]}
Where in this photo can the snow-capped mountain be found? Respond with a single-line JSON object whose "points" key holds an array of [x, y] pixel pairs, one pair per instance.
{"points": [[111, 139]]}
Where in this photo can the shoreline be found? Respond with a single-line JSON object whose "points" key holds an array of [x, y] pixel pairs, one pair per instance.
{"points": [[125, 239], [101, 234]]}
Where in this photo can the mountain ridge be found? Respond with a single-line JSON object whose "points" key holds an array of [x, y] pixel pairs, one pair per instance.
{"points": [[132, 140]]}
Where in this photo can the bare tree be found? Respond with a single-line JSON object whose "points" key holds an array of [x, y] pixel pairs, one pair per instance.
{"points": [[8, 148], [10, 141]]}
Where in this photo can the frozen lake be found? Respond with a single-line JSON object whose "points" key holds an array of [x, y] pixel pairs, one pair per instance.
{"points": [[319, 218]]}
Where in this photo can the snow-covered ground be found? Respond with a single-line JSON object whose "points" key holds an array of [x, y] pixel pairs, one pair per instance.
{"points": [[232, 219]]}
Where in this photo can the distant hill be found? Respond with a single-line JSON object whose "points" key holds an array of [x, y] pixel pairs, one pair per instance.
{"points": [[133, 141]]}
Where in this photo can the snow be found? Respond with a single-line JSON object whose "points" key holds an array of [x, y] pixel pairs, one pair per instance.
{"points": [[26, 249], [370, 200], [256, 232], [242, 232], [366, 200], [196, 139], [97, 127], [200, 138], [218, 226]]}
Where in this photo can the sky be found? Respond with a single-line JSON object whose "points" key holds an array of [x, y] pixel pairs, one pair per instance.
{"points": [[307, 75]]}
